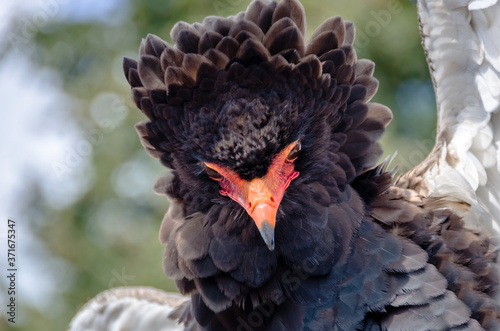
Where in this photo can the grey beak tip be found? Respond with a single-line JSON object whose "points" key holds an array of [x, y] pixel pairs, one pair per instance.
{"points": [[270, 245], [267, 234]]}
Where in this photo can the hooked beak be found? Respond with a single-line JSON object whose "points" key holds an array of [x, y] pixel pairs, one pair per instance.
{"points": [[262, 206], [261, 198]]}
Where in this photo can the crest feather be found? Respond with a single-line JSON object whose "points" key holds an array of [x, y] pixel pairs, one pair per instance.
{"points": [[208, 56]]}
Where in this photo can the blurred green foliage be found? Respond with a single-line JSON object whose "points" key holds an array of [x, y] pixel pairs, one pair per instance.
{"points": [[110, 236]]}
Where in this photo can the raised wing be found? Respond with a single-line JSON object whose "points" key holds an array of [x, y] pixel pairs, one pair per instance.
{"points": [[462, 44], [130, 309]]}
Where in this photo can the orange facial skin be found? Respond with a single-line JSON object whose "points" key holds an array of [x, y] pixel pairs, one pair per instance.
{"points": [[260, 197]]}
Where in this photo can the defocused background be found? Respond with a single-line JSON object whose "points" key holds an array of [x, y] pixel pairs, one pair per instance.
{"points": [[73, 174]]}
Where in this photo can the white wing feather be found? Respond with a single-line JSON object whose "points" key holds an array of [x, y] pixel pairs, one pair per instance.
{"points": [[129, 309], [481, 4], [462, 43]]}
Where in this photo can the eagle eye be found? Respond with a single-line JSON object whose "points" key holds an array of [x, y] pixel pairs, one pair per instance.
{"points": [[294, 152], [212, 173]]}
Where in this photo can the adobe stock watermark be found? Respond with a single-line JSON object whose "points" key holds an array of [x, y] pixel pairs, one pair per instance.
{"points": [[115, 112], [12, 271], [420, 150], [120, 279], [380, 20], [226, 7], [31, 24]]}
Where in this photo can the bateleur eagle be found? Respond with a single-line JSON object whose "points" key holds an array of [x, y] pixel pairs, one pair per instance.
{"points": [[279, 217]]}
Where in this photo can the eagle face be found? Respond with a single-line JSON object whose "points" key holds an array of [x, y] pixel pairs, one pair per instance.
{"points": [[255, 142], [260, 197]]}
